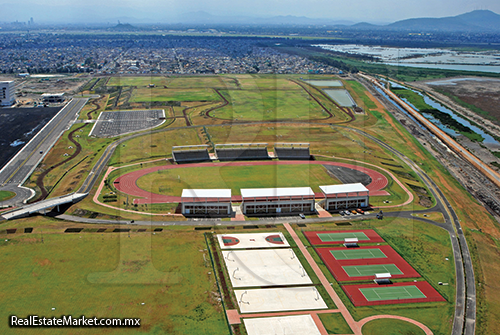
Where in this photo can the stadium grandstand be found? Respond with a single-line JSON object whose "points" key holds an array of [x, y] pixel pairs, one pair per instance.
{"points": [[206, 202], [241, 151], [190, 153], [292, 151], [338, 197], [277, 201]]}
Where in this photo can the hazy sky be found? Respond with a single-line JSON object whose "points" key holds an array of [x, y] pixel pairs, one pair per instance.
{"points": [[355, 10]]}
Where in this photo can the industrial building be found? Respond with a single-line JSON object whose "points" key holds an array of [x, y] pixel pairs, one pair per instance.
{"points": [[339, 197], [206, 202], [275, 201], [7, 93]]}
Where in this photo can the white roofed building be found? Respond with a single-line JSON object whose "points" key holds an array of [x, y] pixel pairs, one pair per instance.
{"points": [[7, 93], [276, 201], [339, 197], [206, 202]]}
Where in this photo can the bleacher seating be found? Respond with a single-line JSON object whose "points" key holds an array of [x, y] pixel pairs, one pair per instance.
{"points": [[185, 156], [292, 153], [229, 154]]}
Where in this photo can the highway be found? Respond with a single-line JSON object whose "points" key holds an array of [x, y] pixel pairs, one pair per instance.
{"points": [[20, 167]]}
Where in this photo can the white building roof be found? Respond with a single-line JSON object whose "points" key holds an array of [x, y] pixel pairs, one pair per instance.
{"points": [[276, 192], [382, 275], [206, 193], [343, 188]]}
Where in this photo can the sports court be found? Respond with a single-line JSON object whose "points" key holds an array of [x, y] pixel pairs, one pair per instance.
{"points": [[347, 264], [252, 240], [397, 293], [338, 236], [279, 299], [357, 254], [247, 268], [283, 325]]}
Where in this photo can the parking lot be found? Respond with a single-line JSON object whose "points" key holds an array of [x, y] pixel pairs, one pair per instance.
{"points": [[110, 124]]}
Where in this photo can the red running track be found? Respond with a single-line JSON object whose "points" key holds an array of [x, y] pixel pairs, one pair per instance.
{"points": [[128, 182]]}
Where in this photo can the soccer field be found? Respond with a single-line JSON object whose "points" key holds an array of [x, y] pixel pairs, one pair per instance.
{"points": [[357, 254], [392, 293], [336, 237], [371, 270]]}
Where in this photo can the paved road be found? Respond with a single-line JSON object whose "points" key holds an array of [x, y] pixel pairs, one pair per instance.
{"points": [[19, 168]]}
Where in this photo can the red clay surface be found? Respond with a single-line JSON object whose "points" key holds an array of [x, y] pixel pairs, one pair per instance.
{"points": [[358, 299], [335, 266], [312, 236], [128, 182]]}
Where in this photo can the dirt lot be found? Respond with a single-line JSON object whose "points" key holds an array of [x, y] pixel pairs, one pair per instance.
{"points": [[30, 89]]}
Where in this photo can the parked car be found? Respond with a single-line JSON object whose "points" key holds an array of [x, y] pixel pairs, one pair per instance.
{"points": [[354, 212], [302, 216], [342, 213], [347, 213], [360, 211]]}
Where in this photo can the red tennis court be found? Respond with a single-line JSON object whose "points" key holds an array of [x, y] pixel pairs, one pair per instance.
{"points": [[362, 295], [347, 268], [338, 236]]}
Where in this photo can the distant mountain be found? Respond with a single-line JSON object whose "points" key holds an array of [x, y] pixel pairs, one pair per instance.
{"points": [[124, 27], [478, 20], [202, 17]]}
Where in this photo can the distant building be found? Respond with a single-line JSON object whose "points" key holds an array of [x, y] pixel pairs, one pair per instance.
{"points": [[53, 97], [7, 91]]}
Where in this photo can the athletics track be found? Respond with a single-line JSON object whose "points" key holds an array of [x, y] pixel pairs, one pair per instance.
{"points": [[128, 182]]}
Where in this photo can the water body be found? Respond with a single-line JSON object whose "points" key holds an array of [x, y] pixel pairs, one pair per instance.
{"points": [[342, 97], [399, 107], [434, 58], [325, 83], [487, 137]]}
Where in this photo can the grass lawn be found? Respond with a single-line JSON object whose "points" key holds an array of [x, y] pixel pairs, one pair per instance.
{"points": [[151, 146], [202, 82], [236, 177], [391, 327], [112, 275], [335, 323], [137, 81], [161, 94], [269, 105], [267, 83], [6, 195]]}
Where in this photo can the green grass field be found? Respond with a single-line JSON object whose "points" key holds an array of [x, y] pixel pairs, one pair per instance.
{"points": [[336, 237], [137, 81], [371, 270], [235, 177], [161, 95], [6, 195], [269, 105], [391, 327], [392, 293], [357, 254], [161, 279]]}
